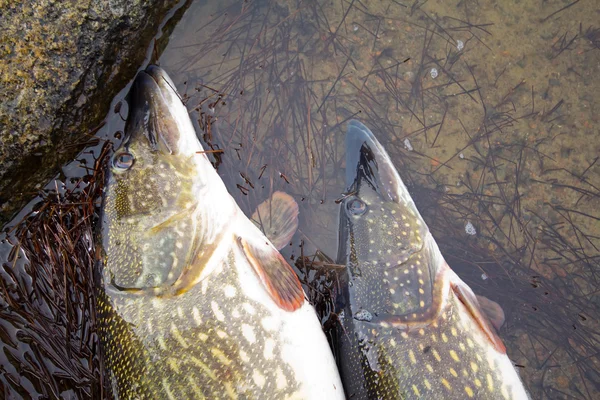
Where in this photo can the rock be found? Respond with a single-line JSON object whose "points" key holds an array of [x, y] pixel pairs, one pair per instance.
{"points": [[61, 63]]}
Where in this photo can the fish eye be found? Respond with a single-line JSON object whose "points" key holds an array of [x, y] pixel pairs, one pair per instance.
{"points": [[356, 207], [123, 161]]}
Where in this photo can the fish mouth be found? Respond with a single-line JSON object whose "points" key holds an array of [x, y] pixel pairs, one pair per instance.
{"points": [[157, 112], [367, 162]]}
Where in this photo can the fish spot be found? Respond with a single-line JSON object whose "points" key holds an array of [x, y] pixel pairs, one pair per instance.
{"points": [[470, 343], [217, 311], [229, 291], [268, 350], [269, 323], [453, 372], [427, 384], [477, 382], [436, 355], [248, 333], [249, 308], [244, 356], [469, 391], [504, 392], [220, 356], [421, 331], [416, 390], [444, 337], [474, 366], [411, 354], [177, 335], [454, 356], [490, 383], [221, 334], [173, 364], [446, 384], [462, 346], [429, 368], [196, 316], [280, 379], [258, 378]]}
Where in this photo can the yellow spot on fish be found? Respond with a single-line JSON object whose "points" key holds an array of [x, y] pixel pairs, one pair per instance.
{"points": [[177, 335], [454, 356], [404, 335], [477, 382], [446, 383], [416, 390], [392, 342], [230, 392], [470, 343], [220, 356], [453, 372], [173, 364], [421, 291], [427, 384], [469, 391], [436, 355], [490, 383], [421, 331], [462, 346], [444, 338], [454, 332], [161, 343], [203, 366], [202, 336], [429, 368], [433, 337], [422, 304], [412, 357], [474, 366]]}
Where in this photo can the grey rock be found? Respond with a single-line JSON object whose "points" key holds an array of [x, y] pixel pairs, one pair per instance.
{"points": [[61, 63]]}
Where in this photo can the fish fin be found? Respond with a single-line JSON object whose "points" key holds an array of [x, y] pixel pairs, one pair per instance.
{"points": [[492, 310], [275, 273], [468, 299], [277, 217]]}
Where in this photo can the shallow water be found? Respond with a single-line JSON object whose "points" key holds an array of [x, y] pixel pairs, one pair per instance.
{"points": [[488, 110]]}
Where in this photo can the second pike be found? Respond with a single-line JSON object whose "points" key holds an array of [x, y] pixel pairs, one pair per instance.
{"points": [[412, 329]]}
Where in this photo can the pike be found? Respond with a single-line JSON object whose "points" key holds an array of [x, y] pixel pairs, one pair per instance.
{"points": [[410, 327], [194, 301]]}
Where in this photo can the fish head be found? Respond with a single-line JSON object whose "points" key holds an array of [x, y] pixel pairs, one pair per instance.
{"points": [[381, 230], [164, 201]]}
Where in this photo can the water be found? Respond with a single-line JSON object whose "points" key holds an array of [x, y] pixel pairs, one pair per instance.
{"points": [[504, 138]]}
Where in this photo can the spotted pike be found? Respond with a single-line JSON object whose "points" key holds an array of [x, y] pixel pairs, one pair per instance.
{"points": [[411, 328], [195, 302]]}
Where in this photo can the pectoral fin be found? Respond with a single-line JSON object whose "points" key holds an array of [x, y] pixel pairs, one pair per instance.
{"points": [[275, 273], [468, 299], [492, 310], [277, 217]]}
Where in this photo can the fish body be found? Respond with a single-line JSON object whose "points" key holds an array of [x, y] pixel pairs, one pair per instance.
{"points": [[194, 300], [410, 328]]}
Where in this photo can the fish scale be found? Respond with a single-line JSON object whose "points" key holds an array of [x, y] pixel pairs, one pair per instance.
{"points": [[410, 328]]}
